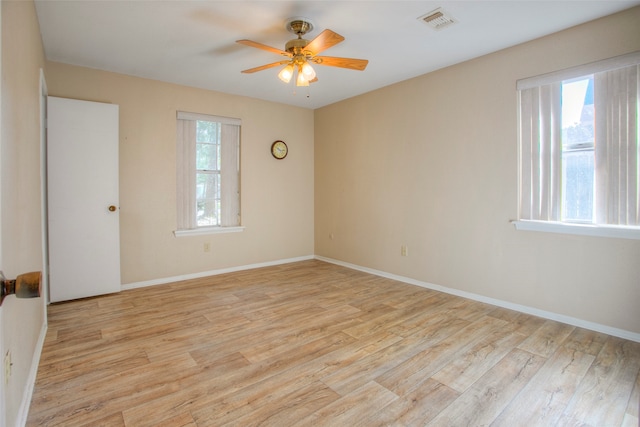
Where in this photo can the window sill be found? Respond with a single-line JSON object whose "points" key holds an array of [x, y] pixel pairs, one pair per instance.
{"points": [[207, 230], [579, 229]]}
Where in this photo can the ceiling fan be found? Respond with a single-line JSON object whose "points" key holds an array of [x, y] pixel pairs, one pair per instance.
{"points": [[301, 52]]}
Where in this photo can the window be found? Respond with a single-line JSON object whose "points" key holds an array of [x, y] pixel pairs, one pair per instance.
{"points": [[208, 178], [579, 146]]}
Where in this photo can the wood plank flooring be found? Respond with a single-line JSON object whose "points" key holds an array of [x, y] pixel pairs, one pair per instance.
{"points": [[315, 344]]}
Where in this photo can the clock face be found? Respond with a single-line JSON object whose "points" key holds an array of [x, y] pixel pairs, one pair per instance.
{"points": [[279, 150]]}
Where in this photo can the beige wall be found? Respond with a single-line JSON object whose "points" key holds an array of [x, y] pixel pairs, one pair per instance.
{"points": [[431, 163], [277, 196], [21, 320]]}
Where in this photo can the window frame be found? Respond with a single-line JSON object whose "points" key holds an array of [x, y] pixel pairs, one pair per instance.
{"points": [[565, 227], [187, 171]]}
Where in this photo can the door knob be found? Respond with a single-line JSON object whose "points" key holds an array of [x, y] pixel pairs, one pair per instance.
{"points": [[28, 285], [112, 208]]}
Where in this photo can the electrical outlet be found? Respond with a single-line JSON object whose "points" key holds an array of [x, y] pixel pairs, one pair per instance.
{"points": [[7, 367], [207, 247], [404, 250]]}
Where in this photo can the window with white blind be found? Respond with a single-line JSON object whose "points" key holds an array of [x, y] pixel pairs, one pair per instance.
{"points": [[579, 149], [208, 173]]}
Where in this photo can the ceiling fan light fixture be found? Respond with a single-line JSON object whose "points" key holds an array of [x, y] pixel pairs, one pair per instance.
{"points": [[301, 80], [308, 71], [286, 73]]}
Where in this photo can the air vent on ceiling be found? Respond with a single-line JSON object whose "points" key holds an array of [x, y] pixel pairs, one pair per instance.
{"points": [[438, 19]]}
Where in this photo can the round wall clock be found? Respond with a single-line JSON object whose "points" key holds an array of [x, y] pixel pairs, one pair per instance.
{"points": [[279, 150]]}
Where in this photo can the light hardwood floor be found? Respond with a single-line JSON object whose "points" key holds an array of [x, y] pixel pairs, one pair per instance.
{"points": [[315, 344]]}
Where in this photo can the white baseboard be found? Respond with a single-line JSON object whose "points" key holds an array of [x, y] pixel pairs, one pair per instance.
{"points": [[23, 412], [621, 333], [166, 280]]}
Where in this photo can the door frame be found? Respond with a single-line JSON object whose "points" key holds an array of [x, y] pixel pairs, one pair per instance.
{"points": [[44, 194], [3, 411]]}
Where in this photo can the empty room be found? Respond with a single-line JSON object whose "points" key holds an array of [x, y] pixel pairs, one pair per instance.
{"points": [[319, 213]]}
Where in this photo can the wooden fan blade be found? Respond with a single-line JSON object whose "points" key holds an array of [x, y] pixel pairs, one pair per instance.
{"points": [[264, 67], [350, 63], [323, 41], [263, 47]]}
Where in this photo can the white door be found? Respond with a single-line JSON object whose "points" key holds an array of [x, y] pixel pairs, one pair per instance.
{"points": [[82, 170]]}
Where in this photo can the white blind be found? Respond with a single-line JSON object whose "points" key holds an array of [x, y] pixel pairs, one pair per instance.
{"points": [[541, 152], [617, 151], [608, 64], [183, 115], [186, 176], [230, 175]]}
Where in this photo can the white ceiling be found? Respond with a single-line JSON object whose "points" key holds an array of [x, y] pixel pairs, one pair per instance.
{"points": [[193, 42]]}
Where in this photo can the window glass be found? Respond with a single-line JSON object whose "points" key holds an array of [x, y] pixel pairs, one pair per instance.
{"points": [[577, 186], [578, 150], [208, 173], [577, 111], [207, 156], [208, 199], [207, 132]]}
